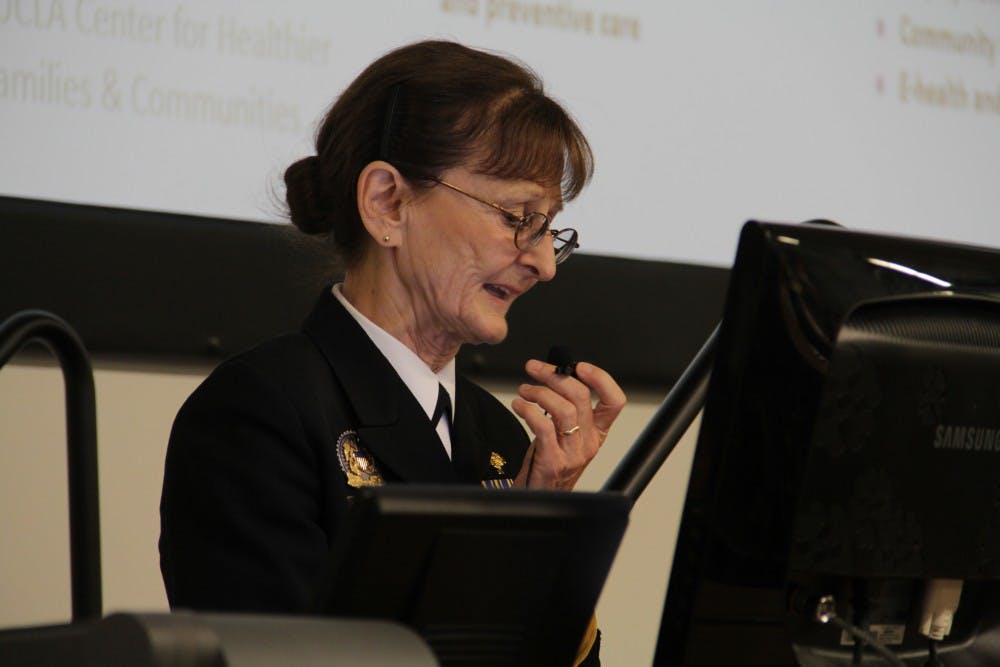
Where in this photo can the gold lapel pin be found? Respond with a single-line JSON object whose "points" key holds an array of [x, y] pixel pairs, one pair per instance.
{"points": [[356, 462], [498, 462]]}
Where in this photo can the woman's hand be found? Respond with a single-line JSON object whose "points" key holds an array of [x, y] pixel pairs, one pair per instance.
{"points": [[569, 437]]}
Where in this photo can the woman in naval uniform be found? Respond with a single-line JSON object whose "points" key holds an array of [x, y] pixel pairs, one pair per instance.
{"points": [[436, 182]]}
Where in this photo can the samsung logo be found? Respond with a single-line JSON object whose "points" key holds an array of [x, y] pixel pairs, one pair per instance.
{"points": [[967, 438]]}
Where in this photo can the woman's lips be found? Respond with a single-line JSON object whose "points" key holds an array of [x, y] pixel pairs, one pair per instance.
{"points": [[500, 291]]}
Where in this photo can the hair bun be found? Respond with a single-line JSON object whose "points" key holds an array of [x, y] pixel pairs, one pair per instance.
{"points": [[303, 193]]}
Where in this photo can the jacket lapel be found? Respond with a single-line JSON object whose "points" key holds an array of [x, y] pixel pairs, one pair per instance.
{"points": [[468, 443], [388, 419]]}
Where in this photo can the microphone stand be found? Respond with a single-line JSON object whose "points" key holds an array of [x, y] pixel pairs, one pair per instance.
{"points": [[668, 425]]}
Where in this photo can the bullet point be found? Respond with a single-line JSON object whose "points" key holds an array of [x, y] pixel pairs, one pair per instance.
{"points": [[880, 84], [880, 27]]}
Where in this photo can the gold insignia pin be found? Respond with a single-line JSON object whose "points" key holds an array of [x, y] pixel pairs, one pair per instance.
{"points": [[357, 464], [498, 462]]}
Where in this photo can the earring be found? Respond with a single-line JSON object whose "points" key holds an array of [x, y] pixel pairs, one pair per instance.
{"points": [[385, 239]]}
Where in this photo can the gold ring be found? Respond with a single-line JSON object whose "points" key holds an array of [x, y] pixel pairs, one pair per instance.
{"points": [[571, 431]]}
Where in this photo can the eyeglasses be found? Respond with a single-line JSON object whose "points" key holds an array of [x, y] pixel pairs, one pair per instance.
{"points": [[529, 228]]}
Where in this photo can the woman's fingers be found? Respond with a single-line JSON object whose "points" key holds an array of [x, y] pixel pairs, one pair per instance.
{"points": [[563, 413], [610, 397], [569, 429], [536, 420], [579, 391], [547, 465], [565, 386]]}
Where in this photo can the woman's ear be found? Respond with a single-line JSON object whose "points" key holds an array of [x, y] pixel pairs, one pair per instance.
{"points": [[382, 194]]}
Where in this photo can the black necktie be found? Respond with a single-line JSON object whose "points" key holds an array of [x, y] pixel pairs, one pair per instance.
{"points": [[443, 407]]}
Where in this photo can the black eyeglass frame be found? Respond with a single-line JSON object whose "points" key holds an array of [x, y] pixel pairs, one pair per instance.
{"points": [[520, 222]]}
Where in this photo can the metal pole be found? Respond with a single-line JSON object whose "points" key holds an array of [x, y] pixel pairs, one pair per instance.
{"points": [[81, 447], [667, 427]]}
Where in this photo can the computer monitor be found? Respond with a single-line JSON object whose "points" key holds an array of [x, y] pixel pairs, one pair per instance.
{"points": [[849, 446], [488, 578]]}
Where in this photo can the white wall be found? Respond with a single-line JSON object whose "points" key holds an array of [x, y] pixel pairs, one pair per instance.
{"points": [[135, 410]]}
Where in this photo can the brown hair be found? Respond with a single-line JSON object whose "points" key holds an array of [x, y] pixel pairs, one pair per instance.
{"points": [[424, 108]]}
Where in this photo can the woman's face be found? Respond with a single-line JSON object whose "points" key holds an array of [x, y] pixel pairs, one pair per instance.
{"points": [[459, 261]]}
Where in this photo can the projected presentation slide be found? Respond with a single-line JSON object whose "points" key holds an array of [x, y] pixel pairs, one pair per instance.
{"points": [[878, 114]]}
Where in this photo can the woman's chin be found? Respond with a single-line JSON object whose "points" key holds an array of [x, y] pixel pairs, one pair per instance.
{"points": [[490, 332]]}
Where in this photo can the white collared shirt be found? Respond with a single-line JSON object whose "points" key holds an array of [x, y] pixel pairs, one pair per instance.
{"points": [[415, 374]]}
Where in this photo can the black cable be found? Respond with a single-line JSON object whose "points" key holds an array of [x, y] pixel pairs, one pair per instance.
{"points": [[859, 613], [861, 638], [932, 655], [857, 654], [826, 612]]}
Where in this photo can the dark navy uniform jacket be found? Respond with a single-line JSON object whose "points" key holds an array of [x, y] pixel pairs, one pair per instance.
{"points": [[253, 489]]}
